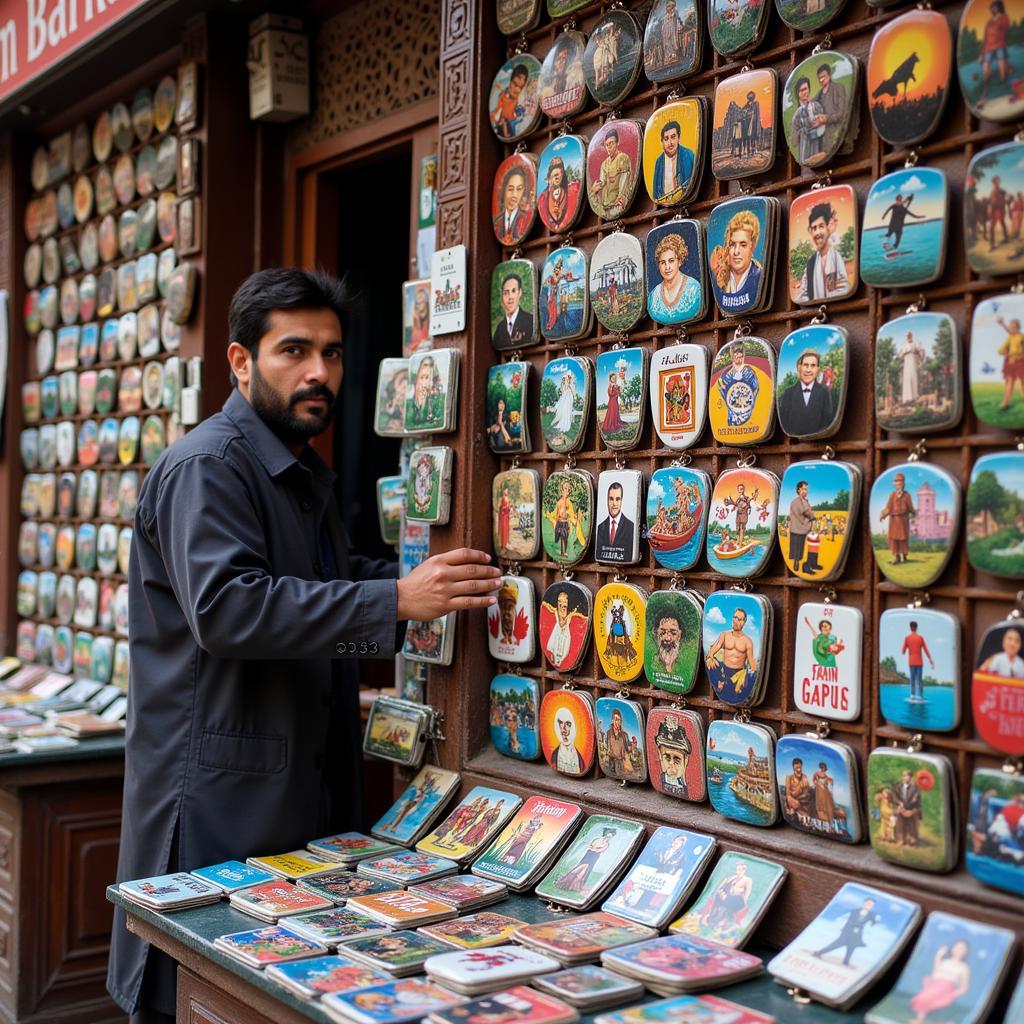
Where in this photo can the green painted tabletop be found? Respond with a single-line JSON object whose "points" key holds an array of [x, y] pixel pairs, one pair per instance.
{"points": [[101, 747]]}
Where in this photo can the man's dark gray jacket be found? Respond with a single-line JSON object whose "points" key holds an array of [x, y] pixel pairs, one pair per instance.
{"points": [[237, 740]]}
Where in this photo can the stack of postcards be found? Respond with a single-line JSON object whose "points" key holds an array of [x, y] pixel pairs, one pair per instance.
{"points": [[590, 988], [463, 892], [518, 1004], [261, 947], [294, 865], [349, 848], [582, 940], [339, 886], [335, 926], [407, 868], [402, 909], [310, 979], [273, 900], [169, 892], [398, 953], [477, 972]]}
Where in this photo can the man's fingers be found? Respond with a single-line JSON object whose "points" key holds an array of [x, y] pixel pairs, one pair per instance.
{"points": [[459, 573], [474, 586], [461, 556], [474, 602]]}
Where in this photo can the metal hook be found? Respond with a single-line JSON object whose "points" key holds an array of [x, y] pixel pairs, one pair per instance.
{"points": [[620, 461], [742, 330], [620, 577], [916, 743], [825, 181], [829, 592], [677, 582], [917, 451], [918, 305], [821, 316], [568, 575], [516, 461], [520, 148], [798, 996], [746, 461], [828, 454], [743, 715], [825, 44], [570, 683], [822, 729], [920, 600], [911, 161], [681, 460], [570, 462], [1014, 766]]}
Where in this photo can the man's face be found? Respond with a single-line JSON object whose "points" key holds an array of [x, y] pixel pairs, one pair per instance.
{"points": [[798, 768], [563, 608], [565, 728], [1011, 642], [555, 177], [741, 489], [809, 365], [614, 502], [804, 92], [672, 763], [670, 142], [898, 481], [669, 633], [514, 189], [739, 620], [515, 86], [907, 776], [824, 79], [818, 230], [741, 250], [294, 379], [510, 293], [611, 145], [616, 722], [507, 607]]}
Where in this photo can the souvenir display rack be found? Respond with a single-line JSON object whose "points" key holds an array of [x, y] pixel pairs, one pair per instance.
{"points": [[472, 50]]}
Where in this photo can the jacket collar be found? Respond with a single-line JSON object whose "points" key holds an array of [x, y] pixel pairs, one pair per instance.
{"points": [[276, 457]]}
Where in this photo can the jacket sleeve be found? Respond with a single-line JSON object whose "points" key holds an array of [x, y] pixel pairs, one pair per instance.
{"points": [[208, 531]]}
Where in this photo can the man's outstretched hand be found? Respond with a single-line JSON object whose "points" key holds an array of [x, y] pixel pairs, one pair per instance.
{"points": [[457, 579]]}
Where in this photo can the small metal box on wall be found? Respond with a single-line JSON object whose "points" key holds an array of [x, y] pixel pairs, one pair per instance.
{"points": [[278, 69]]}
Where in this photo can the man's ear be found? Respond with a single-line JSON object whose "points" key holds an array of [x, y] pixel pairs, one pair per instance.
{"points": [[240, 361]]}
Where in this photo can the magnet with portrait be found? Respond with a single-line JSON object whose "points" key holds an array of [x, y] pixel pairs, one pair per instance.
{"points": [[64, 548], [827, 654], [741, 396], [392, 389], [127, 294], [513, 304], [988, 59], [567, 731], [672, 648], [995, 539], [430, 402], [611, 61], [819, 108], [915, 519], [566, 615], [617, 289], [415, 314], [563, 91], [562, 173], [514, 103], [912, 808], [673, 40], [567, 508], [742, 521], [742, 238], [997, 688], [993, 846], [675, 753], [145, 170], [515, 499], [736, 635], [28, 537], [619, 623], [613, 166], [514, 198], [823, 245], [49, 219], [743, 124], [740, 762], [516, 16], [674, 151], [621, 375], [511, 623], [675, 273], [186, 113], [621, 750], [677, 515], [429, 485], [565, 313], [887, 258], [619, 501], [514, 716], [811, 381], [819, 789], [507, 427], [68, 301]]}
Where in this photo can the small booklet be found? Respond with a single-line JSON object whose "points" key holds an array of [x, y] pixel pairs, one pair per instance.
{"points": [[232, 875], [271, 945], [170, 892]]}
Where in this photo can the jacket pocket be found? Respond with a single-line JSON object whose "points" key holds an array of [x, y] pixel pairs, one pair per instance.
{"points": [[243, 752]]}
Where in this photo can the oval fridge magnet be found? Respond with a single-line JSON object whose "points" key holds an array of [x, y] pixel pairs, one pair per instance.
{"points": [[514, 104], [567, 731]]}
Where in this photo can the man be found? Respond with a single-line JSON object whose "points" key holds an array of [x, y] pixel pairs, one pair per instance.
{"points": [[674, 167], [558, 203], [674, 756], [511, 223], [564, 515], [617, 745], [610, 193], [243, 733], [508, 601], [994, 48], [751, 125], [741, 505], [798, 792], [741, 281], [997, 211], [567, 758], [908, 810], [1007, 661], [805, 408], [851, 935], [508, 111], [560, 639], [835, 109], [808, 127], [915, 647], [801, 519], [668, 638], [898, 211], [825, 274], [515, 327], [898, 510], [732, 658], [615, 533]]}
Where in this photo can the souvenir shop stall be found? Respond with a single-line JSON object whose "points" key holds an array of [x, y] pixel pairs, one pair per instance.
{"points": [[722, 360]]}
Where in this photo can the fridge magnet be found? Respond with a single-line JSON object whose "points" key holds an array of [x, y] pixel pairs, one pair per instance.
{"points": [[165, 170], [675, 753], [83, 198], [152, 439], [741, 244], [743, 124], [736, 633], [67, 487], [563, 91], [620, 376], [51, 262], [819, 788], [127, 232], [620, 739], [392, 390], [611, 61], [563, 170], [568, 731], [390, 501], [32, 265], [613, 166], [617, 291], [471, 826], [996, 361], [514, 103], [167, 216], [104, 196], [677, 515], [128, 440], [25, 600], [990, 83], [823, 245], [567, 509], [992, 851], [106, 548], [671, 644], [142, 114], [674, 150], [619, 497], [819, 108], [507, 425], [475, 931], [164, 102], [912, 203], [559, 8], [49, 395], [915, 519], [415, 316], [584, 937], [65, 443], [515, 713], [124, 179], [121, 126], [913, 810], [86, 592], [565, 396], [919, 669], [566, 616], [49, 306], [28, 445], [810, 383], [619, 622], [857, 936], [432, 642], [431, 394], [675, 272], [69, 259], [995, 540], [997, 688], [827, 654], [88, 444], [513, 304], [106, 384], [807, 17], [428, 488], [409, 998], [65, 548], [145, 170], [742, 522], [28, 535], [511, 625], [129, 389], [186, 113], [517, 16], [514, 199], [673, 40], [515, 501]]}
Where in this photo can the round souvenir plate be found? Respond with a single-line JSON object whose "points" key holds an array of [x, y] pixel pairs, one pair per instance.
{"points": [[102, 137], [170, 333], [166, 167], [149, 330], [48, 213], [69, 255], [106, 292], [83, 198], [164, 100], [49, 306], [33, 218], [567, 731], [617, 290], [181, 292], [121, 126], [127, 336], [103, 190], [89, 246], [128, 440], [81, 147], [45, 349], [145, 277], [108, 238], [145, 169], [124, 548], [562, 173], [51, 260], [168, 261], [85, 555], [69, 300], [516, 16], [108, 440], [142, 114], [563, 92], [514, 106], [129, 390], [33, 265], [167, 216], [613, 167], [153, 385], [153, 442], [39, 174], [566, 614], [88, 486], [672, 40], [65, 205], [987, 59], [611, 62], [88, 443], [619, 624], [108, 340], [806, 17], [106, 386], [32, 312], [127, 232], [145, 230], [514, 198], [87, 297], [87, 393], [106, 548], [127, 296], [171, 374], [124, 179], [127, 493]]}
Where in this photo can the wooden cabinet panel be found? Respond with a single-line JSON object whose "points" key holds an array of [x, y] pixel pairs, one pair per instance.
{"points": [[201, 1003]]}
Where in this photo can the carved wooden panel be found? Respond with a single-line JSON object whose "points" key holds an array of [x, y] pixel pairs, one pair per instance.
{"points": [[201, 1003]]}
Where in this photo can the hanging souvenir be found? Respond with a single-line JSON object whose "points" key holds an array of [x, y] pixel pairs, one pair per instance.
{"points": [[825, 84], [83, 198], [39, 169], [25, 646], [827, 661], [677, 515], [46, 600], [566, 616], [565, 396], [128, 440], [675, 753], [823, 266], [69, 259], [617, 290], [736, 636], [127, 295], [558, 8], [146, 170], [673, 40], [48, 217], [673, 151], [620, 739], [672, 639], [994, 535], [85, 548], [128, 494], [517, 16], [25, 600], [567, 731], [562, 88], [915, 519], [67, 389], [33, 265], [106, 390], [995, 797], [66, 487], [121, 126], [511, 623], [997, 688], [51, 261], [613, 166], [428, 490], [564, 295], [166, 169], [808, 17], [611, 61], [567, 508], [390, 498], [88, 483], [988, 80], [621, 373], [675, 272], [619, 623], [105, 198], [820, 499], [106, 292], [514, 198], [415, 315], [69, 300], [819, 788], [513, 304], [392, 388], [430, 643], [127, 336], [811, 381], [913, 820], [431, 399], [997, 361], [514, 104], [515, 495], [743, 124], [142, 114], [127, 225], [49, 306], [619, 501], [886, 259], [48, 446], [188, 238], [108, 238], [65, 205], [741, 397], [33, 219], [87, 300], [88, 342], [515, 713], [164, 101], [507, 424], [167, 216], [28, 536], [152, 439], [49, 397], [145, 279], [181, 289], [741, 771], [678, 391], [742, 237], [186, 114], [32, 312], [562, 174], [742, 521], [919, 669], [65, 438], [145, 229], [65, 547], [88, 246], [31, 401]]}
